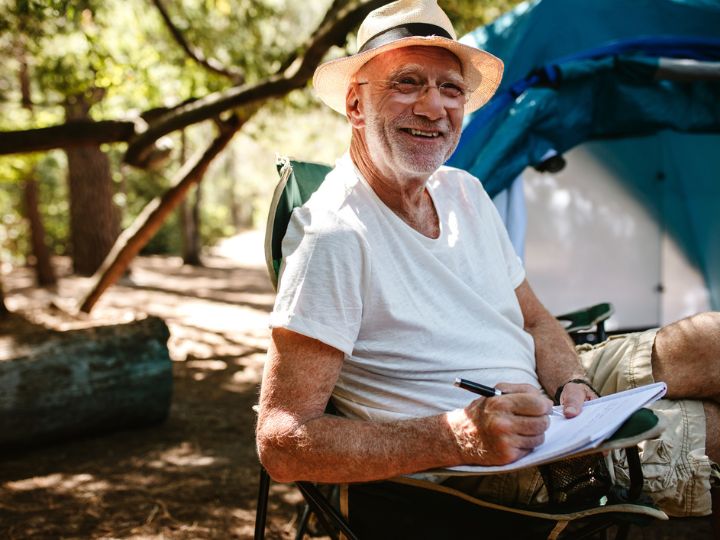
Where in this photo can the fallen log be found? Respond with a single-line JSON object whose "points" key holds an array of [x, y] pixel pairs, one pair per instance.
{"points": [[84, 382]]}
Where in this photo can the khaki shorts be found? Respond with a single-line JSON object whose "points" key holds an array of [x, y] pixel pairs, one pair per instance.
{"points": [[677, 471]]}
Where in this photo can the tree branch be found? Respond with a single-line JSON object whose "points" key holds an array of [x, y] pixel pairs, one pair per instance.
{"points": [[333, 31], [146, 224], [68, 135], [210, 64], [332, 11], [141, 148]]}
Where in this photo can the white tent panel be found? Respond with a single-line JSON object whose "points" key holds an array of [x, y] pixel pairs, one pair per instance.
{"points": [[589, 240]]}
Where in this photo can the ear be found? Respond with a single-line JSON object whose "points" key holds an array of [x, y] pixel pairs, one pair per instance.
{"points": [[353, 107]]}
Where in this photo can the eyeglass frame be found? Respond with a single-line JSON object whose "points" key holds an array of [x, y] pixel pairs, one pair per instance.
{"points": [[453, 102]]}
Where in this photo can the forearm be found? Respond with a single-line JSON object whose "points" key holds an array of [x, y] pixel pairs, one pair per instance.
{"points": [[297, 441], [555, 356], [336, 449]]}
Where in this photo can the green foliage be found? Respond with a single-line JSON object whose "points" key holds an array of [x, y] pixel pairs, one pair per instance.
{"points": [[466, 15], [54, 203], [14, 230], [119, 56]]}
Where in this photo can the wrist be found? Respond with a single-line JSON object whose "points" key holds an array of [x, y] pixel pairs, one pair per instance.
{"points": [[464, 433]]}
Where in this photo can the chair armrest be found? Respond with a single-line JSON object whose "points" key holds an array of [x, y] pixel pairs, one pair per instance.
{"points": [[587, 318]]}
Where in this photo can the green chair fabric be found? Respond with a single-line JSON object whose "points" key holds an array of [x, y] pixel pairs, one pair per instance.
{"points": [[298, 181], [587, 318]]}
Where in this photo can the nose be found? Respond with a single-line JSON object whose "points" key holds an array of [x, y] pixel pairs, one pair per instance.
{"points": [[430, 104]]}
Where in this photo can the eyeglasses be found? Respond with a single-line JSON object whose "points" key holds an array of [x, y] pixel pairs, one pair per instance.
{"points": [[409, 89]]}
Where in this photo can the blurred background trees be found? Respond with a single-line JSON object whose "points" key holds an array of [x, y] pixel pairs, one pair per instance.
{"points": [[108, 71]]}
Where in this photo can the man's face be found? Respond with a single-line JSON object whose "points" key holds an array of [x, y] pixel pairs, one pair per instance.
{"points": [[412, 120]]}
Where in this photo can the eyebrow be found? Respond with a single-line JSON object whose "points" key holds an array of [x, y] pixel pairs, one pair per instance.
{"points": [[415, 69]]}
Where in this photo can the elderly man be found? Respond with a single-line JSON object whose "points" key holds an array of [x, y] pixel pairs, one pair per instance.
{"points": [[399, 277]]}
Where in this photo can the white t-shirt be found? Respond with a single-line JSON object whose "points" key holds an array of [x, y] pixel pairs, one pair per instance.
{"points": [[409, 312]]}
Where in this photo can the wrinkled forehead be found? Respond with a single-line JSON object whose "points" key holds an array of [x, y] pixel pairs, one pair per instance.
{"points": [[431, 59]]}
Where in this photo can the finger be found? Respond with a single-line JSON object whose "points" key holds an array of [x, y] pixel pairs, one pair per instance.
{"points": [[531, 426], [529, 404], [572, 398], [512, 388], [524, 442], [502, 425], [505, 456]]}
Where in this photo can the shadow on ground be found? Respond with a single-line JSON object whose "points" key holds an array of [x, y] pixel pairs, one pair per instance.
{"points": [[194, 476]]}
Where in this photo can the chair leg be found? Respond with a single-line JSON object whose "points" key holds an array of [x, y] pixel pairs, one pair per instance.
{"points": [[635, 471], [303, 522], [601, 334], [325, 510], [623, 531], [262, 503], [715, 516]]}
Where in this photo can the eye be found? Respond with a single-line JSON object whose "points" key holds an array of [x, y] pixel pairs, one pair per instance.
{"points": [[406, 84], [451, 89]]}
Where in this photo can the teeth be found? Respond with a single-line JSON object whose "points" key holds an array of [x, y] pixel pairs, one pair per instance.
{"points": [[430, 134]]}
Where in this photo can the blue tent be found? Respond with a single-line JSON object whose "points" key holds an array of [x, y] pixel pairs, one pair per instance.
{"points": [[608, 69]]}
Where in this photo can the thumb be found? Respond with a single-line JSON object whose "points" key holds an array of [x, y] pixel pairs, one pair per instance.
{"points": [[572, 399]]}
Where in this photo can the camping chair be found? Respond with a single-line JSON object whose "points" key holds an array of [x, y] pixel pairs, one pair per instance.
{"points": [[388, 509]]}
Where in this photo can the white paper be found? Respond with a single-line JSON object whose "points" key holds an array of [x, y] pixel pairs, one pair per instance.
{"points": [[599, 419]]}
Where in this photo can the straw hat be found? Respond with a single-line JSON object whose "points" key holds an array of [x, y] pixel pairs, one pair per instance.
{"points": [[407, 23]]}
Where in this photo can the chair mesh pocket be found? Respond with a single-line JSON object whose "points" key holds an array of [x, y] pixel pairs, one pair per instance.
{"points": [[579, 482]]}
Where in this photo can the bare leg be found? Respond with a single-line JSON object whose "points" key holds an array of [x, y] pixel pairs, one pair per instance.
{"points": [[712, 438], [686, 356], [712, 449]]}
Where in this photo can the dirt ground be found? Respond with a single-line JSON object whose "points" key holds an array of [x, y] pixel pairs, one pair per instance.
{"points": [[194, 476]]}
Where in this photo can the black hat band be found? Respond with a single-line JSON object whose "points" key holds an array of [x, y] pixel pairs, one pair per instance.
{"points": [[404, 31]]}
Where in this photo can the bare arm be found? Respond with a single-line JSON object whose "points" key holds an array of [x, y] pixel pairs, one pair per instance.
{"points": [[297, 441], [555, 357]]}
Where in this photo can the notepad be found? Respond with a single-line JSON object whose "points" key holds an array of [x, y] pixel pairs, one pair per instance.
{"points": [[599, 419]]}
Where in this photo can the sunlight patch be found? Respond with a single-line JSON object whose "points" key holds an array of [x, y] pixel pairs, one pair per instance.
{"points": [[184, 456], [60, 483], [208, 365]]}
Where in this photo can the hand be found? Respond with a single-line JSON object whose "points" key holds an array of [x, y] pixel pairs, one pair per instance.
{"points": [[573, 396], [502, 429]]}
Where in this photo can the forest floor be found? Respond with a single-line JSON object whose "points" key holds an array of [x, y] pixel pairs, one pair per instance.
{"points": [[194, 476]]}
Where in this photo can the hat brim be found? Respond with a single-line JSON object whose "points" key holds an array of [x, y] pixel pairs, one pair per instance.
{"points": [[481, 70]]}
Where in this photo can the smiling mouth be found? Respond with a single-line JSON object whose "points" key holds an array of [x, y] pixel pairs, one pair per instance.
{"points": [[421, 133]]}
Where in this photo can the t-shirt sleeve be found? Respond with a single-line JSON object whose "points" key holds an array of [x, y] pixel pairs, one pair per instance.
{"points": [[320, 288], [513, 263]]}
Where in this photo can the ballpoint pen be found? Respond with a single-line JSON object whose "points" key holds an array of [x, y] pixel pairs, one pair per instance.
{"points": [[489, 391]]}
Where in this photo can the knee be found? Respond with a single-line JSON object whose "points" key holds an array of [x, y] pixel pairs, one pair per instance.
{"points": [[702, 325], [708, 319], [705, 328], [697, 336]]}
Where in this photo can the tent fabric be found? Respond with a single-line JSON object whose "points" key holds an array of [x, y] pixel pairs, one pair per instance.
{"points": [[596, 99], [608, 69], [538, 32]]}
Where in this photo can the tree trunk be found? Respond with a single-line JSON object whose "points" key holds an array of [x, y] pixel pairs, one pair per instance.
{"points": [[190, 217], [135, 237], [190, 222], [94, 218], [43, 267], [3, 308], [85, 382], [241, 206]]}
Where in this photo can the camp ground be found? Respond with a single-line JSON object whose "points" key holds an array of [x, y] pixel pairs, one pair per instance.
{"points": [[619, 103]]}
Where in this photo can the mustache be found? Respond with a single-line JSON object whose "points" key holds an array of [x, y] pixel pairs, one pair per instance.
{"points": [[411, 121]]}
